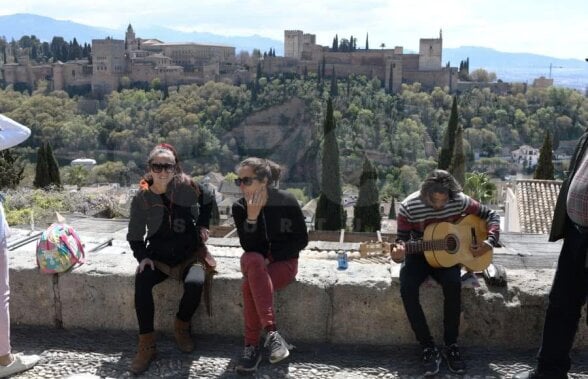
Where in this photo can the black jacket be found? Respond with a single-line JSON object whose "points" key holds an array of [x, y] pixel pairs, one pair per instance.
{"points": [[171, 222], [560, 214], [280, 232]]}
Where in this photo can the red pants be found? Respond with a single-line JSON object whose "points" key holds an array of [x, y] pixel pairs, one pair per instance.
{"points": [[259, 283]]}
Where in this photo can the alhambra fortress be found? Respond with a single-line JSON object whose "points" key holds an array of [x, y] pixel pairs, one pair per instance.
{"points": [[136, 59]]}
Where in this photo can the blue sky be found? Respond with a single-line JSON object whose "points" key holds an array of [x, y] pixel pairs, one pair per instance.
{"points": [[554, 28]]}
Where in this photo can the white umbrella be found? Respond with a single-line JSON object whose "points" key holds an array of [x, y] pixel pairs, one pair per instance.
{"points": [[12, 133]]}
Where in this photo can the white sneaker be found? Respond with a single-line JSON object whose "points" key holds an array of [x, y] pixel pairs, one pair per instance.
{"points": [[279, 348], [19, 364]]}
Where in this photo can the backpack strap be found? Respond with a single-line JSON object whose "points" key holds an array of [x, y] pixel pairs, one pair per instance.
{"points": [[63, 238]]}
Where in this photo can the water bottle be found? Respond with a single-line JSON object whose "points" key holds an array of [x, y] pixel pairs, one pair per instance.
{"points": [[342, 260]]}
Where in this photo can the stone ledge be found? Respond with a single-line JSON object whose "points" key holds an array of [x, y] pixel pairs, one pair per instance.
{"points": [[361, 305]]}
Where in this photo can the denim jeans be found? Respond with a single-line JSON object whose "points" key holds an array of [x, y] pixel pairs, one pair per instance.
{"points": [[413, 273], [567, 296]]}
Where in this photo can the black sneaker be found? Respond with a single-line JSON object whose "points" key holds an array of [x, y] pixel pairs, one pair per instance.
{"points": [[535, 374], [431, 361], [249, 360], [453, 359]]}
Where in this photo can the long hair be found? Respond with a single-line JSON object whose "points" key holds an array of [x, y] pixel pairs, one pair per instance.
{"points": [[440, 181], [263, 169]]}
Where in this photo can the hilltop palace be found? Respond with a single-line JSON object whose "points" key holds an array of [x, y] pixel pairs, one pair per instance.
{"points": [[116, 62]]}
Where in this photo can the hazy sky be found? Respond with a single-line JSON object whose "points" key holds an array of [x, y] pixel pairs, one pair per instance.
{"points": [[547, 27]]}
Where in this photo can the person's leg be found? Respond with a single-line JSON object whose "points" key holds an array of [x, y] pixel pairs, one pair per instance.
{"points": [[567, 295], [254, 271], [144, 307], [4, 299], [412, 275], [193, 285], [450, 280]]}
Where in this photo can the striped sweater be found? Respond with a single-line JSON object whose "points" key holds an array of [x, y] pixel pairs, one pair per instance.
{"points": [[414, 215]]}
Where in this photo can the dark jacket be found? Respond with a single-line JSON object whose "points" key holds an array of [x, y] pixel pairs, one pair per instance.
{"points": [[280, 232], [561, 220], [171, 221]]}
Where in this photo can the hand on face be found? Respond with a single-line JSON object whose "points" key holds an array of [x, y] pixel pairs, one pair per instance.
{"points": [[255, 202]]}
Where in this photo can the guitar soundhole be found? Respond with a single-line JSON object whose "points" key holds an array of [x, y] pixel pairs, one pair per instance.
{"points": [[451, 244]]}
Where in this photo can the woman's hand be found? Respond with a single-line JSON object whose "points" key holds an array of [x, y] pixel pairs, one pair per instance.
{"points": [[145, 262], [255, 202], [204, 234]]}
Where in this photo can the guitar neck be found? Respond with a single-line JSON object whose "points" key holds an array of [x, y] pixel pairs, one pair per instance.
{"points": [[419, 246]]}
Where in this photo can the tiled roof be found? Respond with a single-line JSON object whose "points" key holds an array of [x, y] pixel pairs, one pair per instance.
{"points": [[536, 201]]}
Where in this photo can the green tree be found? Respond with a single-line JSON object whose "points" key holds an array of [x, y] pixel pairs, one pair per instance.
{"points": [[42, 178], [52, 166], [11, 169], [77, 176], [366, 215], [545, 169], [478, 186], [446, 153], [329, 211], [457, 168]]}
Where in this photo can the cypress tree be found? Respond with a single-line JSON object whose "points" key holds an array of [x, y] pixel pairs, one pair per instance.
{"points": [[41, 169], [52, 166], [392, 213], [11, 169], [366, 215], [545, 168], [457, 168], [329, 211], [334, 87], [367, 42], [447, 147]]}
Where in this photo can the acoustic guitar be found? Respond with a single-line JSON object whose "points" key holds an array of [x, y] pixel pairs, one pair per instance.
{"points": [[446, 244]]}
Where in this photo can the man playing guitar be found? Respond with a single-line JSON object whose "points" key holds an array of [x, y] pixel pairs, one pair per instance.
{"points": [[440, 200]]}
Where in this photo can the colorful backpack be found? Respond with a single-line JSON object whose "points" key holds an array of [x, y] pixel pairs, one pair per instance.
{"points": [[59, 249]]}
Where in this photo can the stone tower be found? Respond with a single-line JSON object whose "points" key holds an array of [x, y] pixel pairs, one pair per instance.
{"points": [[430, 51], [293, 43], [131, 42]]}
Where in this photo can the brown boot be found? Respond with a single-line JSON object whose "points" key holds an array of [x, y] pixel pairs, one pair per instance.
{"points": [[146, 353], [182, 334]]}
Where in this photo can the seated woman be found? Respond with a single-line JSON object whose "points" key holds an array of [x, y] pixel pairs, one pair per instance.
{"points": [[167, 228], [272, 232]]}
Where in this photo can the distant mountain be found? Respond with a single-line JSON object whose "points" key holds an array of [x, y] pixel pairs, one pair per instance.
{"points": [[45, 28], [521, 67], [509, 67]]}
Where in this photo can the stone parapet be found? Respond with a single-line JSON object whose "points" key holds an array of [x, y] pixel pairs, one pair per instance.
{"points": [[361, 305]]}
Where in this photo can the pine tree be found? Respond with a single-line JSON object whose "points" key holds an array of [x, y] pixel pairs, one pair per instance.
{"points": [[366, 215], [41, 169], [11, 169], [52, 166], [392, 213], [446, 152], [457, 168], [367, 42], [334, 87], [329, 211], [545, 168]]}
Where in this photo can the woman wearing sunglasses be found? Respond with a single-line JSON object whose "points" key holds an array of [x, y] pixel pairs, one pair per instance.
{"points": [[272, 232], [169, 223]]}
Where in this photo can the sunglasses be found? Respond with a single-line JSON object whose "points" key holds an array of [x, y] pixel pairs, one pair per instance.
{"points": [[159, 167], [246, 181]]}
